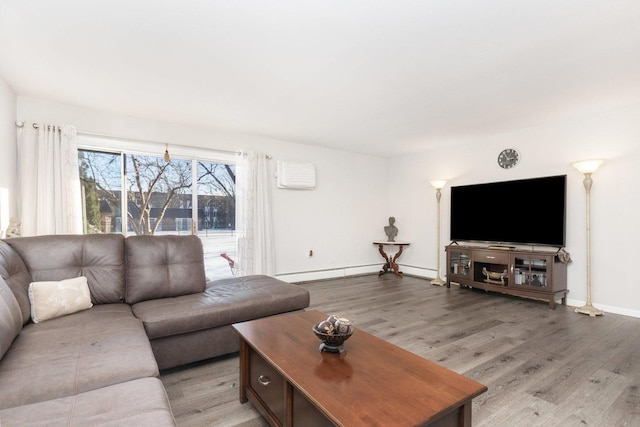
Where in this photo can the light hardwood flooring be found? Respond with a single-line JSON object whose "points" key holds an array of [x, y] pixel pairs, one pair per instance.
{"points": [[542, 367]]}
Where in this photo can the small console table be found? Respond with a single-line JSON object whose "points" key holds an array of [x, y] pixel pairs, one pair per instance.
{"points": [[390, 262]]}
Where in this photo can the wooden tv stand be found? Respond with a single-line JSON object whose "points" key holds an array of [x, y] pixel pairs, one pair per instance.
{"points": [[530, 274]]}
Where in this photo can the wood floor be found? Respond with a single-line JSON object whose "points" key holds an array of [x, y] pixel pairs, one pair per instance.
{"points": [[543, 367]]}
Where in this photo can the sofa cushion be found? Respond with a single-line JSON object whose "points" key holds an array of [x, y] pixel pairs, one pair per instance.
{"points": [[163, 266], [141, 402], [54, 299], [98, 257], [73, 354], [224, 302], [10, 318], [15, 273]]}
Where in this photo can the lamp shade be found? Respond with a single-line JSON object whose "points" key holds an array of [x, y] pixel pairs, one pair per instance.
{"points": [[587, 166], [438, 185]]}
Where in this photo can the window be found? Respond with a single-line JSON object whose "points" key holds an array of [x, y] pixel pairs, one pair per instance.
{"points": [[177, 197], [216, 213]]}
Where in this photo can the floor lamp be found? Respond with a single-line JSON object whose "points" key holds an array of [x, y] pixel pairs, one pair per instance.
{"points": [[438, 185], [587, 168]]}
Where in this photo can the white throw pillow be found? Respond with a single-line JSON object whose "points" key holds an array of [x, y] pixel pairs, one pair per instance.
{"points": [[54, 299]]}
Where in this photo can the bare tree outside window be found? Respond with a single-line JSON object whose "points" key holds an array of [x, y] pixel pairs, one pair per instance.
{"points": [[153, 188], [216, 196], [101, 178]]}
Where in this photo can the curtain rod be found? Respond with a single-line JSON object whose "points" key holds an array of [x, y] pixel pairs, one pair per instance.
{"points": [[101, 135]]}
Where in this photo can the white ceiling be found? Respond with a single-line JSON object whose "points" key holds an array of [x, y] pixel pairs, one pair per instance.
{"points": [[373, 76]]}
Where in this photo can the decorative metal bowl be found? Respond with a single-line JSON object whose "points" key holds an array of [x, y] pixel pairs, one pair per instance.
{"points": [[332, 343]]}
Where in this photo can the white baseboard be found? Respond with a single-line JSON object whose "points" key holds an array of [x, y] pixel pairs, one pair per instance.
{"points": [[335, 273], [606, 308], [425, 273]]}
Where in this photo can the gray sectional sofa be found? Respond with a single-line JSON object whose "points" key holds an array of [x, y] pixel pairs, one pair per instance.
{"points": [[150, 308]]}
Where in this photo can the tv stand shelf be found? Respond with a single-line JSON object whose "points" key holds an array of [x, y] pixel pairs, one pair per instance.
{"points": [[531, 274]]}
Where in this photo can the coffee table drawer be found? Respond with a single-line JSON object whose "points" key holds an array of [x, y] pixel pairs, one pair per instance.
{"points": [[268, 384]]}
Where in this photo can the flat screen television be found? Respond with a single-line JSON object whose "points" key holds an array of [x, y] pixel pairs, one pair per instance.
{"points": [[527, 211]]}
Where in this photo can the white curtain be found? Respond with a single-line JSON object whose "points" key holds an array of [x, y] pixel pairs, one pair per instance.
{"points": [[49, 183], [254, 219]]}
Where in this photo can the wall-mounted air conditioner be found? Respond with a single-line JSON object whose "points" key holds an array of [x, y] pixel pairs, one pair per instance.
{"points": [[296, 176]]}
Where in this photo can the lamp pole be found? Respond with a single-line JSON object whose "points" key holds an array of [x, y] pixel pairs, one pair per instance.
{"points": [[587, 168], [438, 185]]}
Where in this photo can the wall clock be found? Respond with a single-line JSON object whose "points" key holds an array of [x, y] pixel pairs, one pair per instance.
{"points": [[508, 158]]}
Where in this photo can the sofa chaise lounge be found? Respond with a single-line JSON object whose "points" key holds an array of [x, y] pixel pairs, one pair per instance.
{"points": [[145, 305]]}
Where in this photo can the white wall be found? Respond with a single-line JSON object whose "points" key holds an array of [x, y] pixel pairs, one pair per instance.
{"points": [[545, 150], [8, 172], [338, 220], [356, 193]]}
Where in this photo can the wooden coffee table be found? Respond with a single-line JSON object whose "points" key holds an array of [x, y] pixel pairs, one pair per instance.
{"points": [[375, 383]]}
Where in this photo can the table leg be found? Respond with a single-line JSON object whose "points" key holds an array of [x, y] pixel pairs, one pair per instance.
{"points": [[244, 370], [390, 263], [466, 415], [387, 264], [394, 265]]}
